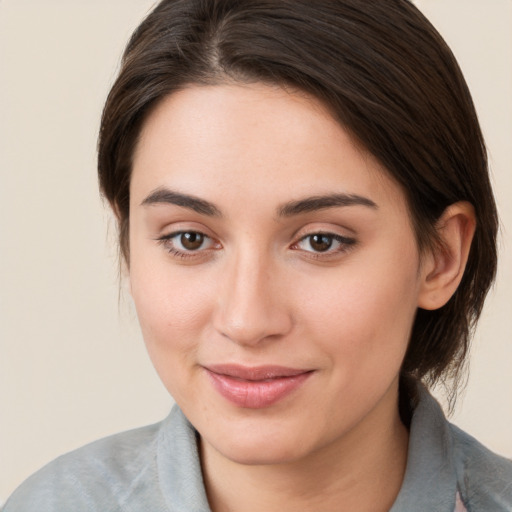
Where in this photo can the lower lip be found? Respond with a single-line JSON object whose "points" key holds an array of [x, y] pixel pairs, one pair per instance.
{"points": [[256, 394]]}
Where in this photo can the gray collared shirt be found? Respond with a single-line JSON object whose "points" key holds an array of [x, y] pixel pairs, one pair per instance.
{"points": [[157, 468]]}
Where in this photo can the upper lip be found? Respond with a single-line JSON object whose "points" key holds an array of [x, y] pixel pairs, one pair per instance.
{"points": [[254, 372]]}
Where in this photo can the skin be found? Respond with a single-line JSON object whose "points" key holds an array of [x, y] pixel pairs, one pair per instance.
{"points": [[258, 291]]}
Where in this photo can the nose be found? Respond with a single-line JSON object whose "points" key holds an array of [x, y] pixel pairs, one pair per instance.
{"points": [[252, 302]]}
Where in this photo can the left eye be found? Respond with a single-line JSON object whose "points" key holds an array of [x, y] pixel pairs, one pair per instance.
{"points": [[324, 242]]}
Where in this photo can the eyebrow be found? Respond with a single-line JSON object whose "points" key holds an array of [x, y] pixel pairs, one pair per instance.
{"points": [[321, 202], [306, 205], [166, 196]]}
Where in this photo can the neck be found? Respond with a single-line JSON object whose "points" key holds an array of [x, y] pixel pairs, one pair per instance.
{"points": [[362, 471]]}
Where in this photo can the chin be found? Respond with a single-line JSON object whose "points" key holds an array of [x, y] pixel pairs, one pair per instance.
{"points": [[260, 443], [261, 453]]}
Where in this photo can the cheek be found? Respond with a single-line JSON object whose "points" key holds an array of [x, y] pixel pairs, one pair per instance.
{"points": [[365, 320], [168, 298], [172, 310]]}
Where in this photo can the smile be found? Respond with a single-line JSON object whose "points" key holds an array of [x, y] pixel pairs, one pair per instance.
{"points": [[258, 387]]}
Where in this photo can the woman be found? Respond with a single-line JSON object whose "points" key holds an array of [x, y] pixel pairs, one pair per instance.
{"points": [[309, 231]]}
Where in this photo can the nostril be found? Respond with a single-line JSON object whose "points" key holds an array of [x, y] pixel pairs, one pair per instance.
{"points": [[251, 306], [253, 326]]}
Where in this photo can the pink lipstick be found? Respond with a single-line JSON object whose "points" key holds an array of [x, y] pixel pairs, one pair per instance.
{"points": [[255, 387]]}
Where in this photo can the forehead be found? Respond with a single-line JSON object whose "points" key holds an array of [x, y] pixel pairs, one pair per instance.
{"points": [[228, 141]]}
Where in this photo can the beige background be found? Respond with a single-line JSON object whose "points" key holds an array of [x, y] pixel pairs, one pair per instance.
{"points": [[72, 365]]}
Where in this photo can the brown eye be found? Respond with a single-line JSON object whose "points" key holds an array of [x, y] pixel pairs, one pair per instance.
{"points": [[191, 241], [320, 243], [328, 243], [188, 244]]}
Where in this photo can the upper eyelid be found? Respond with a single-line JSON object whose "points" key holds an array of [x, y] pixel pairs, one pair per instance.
{"points": [[325, 233], [172, 234], [321, 228], [170, 230], [339, 238]]}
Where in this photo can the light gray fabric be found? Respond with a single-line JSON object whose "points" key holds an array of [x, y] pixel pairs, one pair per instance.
{"points": [[444, 460], [157, 469]]}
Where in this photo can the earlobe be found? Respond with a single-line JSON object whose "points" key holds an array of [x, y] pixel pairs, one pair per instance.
{"points": [[445, 265]]}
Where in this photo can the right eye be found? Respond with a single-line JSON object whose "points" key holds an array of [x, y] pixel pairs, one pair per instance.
{"points": [[186, 243]]}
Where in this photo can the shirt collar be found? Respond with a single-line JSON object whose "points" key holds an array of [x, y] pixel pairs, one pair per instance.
{"points": [[430, 481]]}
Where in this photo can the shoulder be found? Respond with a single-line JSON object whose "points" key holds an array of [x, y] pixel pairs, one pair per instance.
{"points": [[444, 462], [99, 476], [484, 478]]}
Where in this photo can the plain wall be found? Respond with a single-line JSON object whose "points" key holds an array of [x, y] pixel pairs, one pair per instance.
{"points": [[72, 364]]}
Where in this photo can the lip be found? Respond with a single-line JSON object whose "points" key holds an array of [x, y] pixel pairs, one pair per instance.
{"points": [[255, 387]]}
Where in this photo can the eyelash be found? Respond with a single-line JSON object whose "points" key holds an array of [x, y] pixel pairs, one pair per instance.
{"points": [[345, 244]]}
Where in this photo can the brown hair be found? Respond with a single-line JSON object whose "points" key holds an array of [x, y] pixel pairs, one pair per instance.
{"points": [[383, 71]]}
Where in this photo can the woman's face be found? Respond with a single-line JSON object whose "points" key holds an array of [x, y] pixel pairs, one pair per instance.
{"points": [[274, 270]]}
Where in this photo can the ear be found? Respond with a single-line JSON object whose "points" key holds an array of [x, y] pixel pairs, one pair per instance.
{"points": [[443, 267]]}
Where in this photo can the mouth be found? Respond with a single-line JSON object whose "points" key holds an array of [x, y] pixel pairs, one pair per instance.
{"points": [[255, 387]]}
